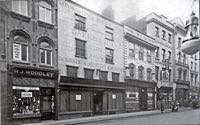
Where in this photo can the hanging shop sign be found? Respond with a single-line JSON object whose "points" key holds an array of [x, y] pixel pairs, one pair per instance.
{"points": [[18, 71]]}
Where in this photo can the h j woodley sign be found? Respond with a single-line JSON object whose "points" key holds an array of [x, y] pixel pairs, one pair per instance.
{"points": [[25, 72]]}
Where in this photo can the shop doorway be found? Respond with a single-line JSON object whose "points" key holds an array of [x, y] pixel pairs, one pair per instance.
{"points": [[97, 103], [47, 103], [143, 99]]}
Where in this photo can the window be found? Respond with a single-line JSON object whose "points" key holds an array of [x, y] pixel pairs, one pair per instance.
{"points": [[179, 41], [157, 31], [169, 38], [103, 75], [80, 48], [109, 33], [131, 53], [45, 53], [195, 82], [72, 71], [132, 70], [163, 54], [80, 22], [191, 65], [89, 73], [149, 74], [156, 72], [191, 80], [109, 56], [148, 55], [179, 57], [20, 48], [179, 73], [45, 12], [141, 53], [195, 66], [163, 35], [157, 53], [184, 59], [184, 75], [140, 72], [169, 56], [115, 77], [20, 6]]}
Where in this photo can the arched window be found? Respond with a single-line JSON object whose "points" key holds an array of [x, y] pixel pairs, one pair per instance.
{"points": [[140, 72], [45, 12], [20, 48], [149, 74], [132, 70], [45, 53]]}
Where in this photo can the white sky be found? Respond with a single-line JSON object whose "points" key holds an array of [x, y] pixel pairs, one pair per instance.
{"points": [[140, 8]]}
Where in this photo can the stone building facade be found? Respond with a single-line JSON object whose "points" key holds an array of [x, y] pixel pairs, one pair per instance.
{"points": [[28, 73], [90, 51]]}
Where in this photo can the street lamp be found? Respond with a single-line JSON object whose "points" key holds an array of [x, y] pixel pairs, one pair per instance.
{"points": [[191, 43]]}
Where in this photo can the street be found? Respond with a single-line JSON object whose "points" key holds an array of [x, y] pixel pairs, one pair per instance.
{"points": [[189, 117]]}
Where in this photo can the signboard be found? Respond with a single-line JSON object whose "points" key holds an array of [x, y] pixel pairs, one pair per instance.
{"points": [[113, 96], [26, 94], [25, 72], [78, 97]]}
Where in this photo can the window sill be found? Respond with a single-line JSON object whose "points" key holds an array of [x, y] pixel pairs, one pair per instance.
{"points": [[45, 24], [21, 62], [109, 39], [46, 65], [80, 29], [20, 16], [26, 116], [78, 56], [110, 62]]}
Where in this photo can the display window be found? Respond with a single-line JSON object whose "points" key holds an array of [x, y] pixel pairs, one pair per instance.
{"points": [[26, 100]]}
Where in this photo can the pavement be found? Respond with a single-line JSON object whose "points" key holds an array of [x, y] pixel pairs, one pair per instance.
{"points": [[104, 117]]}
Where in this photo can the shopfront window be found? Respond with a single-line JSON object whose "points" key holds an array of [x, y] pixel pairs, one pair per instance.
{"points": [[132, 98], [26, 100]]}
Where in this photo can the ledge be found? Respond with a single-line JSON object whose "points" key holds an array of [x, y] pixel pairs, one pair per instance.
{"points": [[45, 24], [26, 116], [20, 16]]}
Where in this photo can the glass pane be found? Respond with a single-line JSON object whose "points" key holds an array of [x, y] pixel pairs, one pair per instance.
{"points": [[24, 52], [45, 45], [15, 6], [41, 13], [24, 7], [49, 57], [16, 51], [42, 56], [48, 16]]}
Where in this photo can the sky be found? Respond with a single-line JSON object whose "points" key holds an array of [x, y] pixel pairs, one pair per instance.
{"points": [[140, 8]]}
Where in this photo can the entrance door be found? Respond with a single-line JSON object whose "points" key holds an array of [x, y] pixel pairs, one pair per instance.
{"points": [[97, 102], [143, 99], [47, 104]]}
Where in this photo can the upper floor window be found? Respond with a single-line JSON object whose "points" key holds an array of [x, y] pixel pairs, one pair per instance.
{"points": [[103, 75], [184, 74], [191, 79], [45, 53], [191, 65], [149, 74], [169, 38], [184, 59], [157, 53], [140, 72], [179, 73], [163, 54], [195, 66], [163, 35], [45, 12], [169, 55], [132, 70], [20, 6], [109, 33], [72, 71], [179, 57], [115, 77], [141, 53], [179, 41], [80, 22], [80, 48], [20, 48], [109, 55], [156, 72], [148, 55], [157, 31], [88, 73]]}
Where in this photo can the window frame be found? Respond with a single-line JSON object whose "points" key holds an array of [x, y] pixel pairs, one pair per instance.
{"points": [[169, 37], [101, 75], [163, 54], [140, 72], [109, 32], [109, 58], [46, 15], [72, 74], [80, 49], [80, 20], [85, 73], [141, 53], [163, 34], [132, 70], [20, 7], [157, 31], [115, 77], [149, 56], [149, 71], [46, 52]]}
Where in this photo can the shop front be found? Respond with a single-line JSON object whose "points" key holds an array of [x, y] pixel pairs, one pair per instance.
{"points": [[80, 97], [140, 95], [32, 97], [194, 93]]}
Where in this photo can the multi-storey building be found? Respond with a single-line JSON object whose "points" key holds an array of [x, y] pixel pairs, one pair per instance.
{"points": [[90, 51], [139, 55], [182, 69], [28, 59]]}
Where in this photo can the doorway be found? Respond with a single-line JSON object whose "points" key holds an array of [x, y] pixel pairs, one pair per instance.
{"points": [[47, 103], [143, 99], [97, 103]]}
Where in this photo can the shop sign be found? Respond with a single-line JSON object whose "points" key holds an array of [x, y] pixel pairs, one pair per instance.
{"points": [[18, 71], [26, 94], [113, 96], [78, 97]]}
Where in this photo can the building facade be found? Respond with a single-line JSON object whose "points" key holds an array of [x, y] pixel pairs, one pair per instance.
{"points": [[182, 68], [28, 60], [90, 51], [139, 55]]}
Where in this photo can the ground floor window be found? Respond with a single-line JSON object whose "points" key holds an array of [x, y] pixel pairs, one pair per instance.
{"points": [[26, 100], [132, 98]]}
